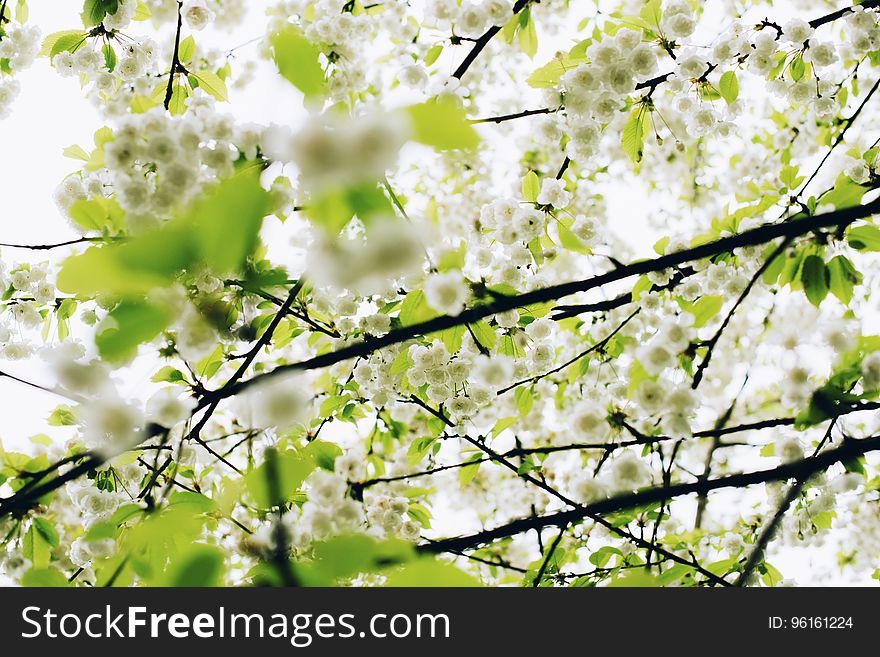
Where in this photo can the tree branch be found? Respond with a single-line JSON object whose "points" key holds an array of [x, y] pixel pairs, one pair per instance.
{"points": [[760, 235], [798, 469], [175, 60], [483, 41]]}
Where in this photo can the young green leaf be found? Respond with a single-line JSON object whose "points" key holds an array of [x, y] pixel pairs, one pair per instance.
{"points": [[212, 84], [864, 238], [128, 326], [728, 87], [57, 42], [531, 187], [298, 60], [633, 138], [527, 35], [442, 124]]}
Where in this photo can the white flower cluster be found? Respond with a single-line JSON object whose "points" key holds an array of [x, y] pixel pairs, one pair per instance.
{"points": [[335, 151], [374, 379], [625, 472], [156, 163], [349, 38], [371, 263], [445, 377], [279, 403], [117, 88], [512, 225], [19, 45], [469, 18], [595, 92], [389, 515], [198, 14], [871, 371], [446, 292], [30, 290], [329, 511]]}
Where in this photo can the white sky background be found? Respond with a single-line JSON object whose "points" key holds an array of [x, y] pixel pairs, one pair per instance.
{"points": [[51, 114]]}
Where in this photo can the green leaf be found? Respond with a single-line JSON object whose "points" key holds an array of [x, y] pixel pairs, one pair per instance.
{"points": [[292, 467], [211, 83], [297, 60], [467, 472], [94, 11], [451, 338], [705, 308], [44, 578], [797, 68], [66, 40], [442, 124], [192, 502], [452, 259], [789, 176], [601, 556], [864, 238], [402, 362], [508, 32], [525, 400], [47, 531], [569, 240], [433, 54], [418, 448], [843, 277], [484, 334], [429, 573], [109, 57], [652, 12], [415, 309], [142, 12], [335, 207], [220, 229], [200, 566], [531, 187], [633, 138], [187, 49], [98, 214], [227, 222], [324, 453], [845, 194], [527, 35], [169, 374], [548, 75], [61, 416], [36, 548], [136, 267], [814, 276], [129, 325], [728, 87], [345, 556], [503, 424], [177, 104], [635, 578], [76, 153]]}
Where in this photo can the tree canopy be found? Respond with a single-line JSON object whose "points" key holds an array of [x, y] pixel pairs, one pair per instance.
{"points": [[533, 292]]}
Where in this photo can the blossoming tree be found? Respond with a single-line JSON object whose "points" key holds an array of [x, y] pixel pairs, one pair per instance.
{"points": [[414, 336]]}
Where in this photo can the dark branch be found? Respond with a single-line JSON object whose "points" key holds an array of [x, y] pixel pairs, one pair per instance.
{"points": [[799, 469], [760, 235]]}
